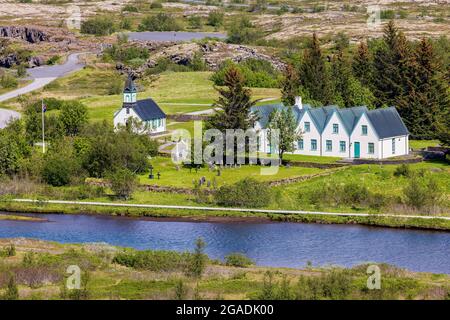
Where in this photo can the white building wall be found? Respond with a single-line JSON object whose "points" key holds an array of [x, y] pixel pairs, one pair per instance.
{"points": [[308, 136], [401, 147], [342, 135], [121, 119], [364, 140]]}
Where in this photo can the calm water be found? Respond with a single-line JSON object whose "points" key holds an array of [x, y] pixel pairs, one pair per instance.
{"points": [[270, 244]]}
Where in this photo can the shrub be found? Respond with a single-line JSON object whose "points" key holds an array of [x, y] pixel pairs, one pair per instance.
{"points": [[257, 73], [197, 263], [130, 8], [100, 26], [12, 292], [123, 183], [195, 22], [180, 290], [156, 5], [238, 260], [354, 193], [8, 251], [53, 60], [21, 70], [8, 81], [125, 53], [116, 87], [332, 285], [245, 193], [153, 260], [160, 22], [215, 18], [402, 170], [420, 193], [59, 167]]}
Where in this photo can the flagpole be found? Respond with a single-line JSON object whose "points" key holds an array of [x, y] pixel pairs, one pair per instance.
{"points": [[43, 126]]}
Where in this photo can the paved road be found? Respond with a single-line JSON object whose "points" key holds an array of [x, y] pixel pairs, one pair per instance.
{"points": [[41, 76], [159, 206], [6, 116]]}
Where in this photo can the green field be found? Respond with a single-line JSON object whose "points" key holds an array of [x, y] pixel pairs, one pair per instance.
{"points": [[111, 273], [175, 92], [421, 144], [185, 177]]}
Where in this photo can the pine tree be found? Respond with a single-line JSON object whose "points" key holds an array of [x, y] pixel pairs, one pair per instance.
{"points": [[391, 64], [290, 86], [12, 292], [362, 64], [340, 75], [426, 101], [234, 104], [314, 73]]}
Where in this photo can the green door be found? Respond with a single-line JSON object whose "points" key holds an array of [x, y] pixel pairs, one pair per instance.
{"points": [[356, 149]]}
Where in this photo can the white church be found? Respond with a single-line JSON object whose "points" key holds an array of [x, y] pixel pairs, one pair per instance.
{"points": [[355, 132], [145, 111]]}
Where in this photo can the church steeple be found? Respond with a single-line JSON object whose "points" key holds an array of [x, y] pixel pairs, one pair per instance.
{"points": [[129, 93]]}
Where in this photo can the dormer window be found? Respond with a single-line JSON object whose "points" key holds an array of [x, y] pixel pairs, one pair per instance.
{"points": [[307, 127], [364, 130], [335, 128]]}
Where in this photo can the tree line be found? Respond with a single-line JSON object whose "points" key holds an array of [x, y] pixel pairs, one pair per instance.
{"points": [[77, 149], [391, 71]]}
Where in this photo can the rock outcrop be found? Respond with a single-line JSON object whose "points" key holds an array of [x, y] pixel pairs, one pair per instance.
{"points": [[213, 54], [31, 35]]}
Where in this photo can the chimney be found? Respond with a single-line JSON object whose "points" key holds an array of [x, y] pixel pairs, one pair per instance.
{"points": [[298, 102]]}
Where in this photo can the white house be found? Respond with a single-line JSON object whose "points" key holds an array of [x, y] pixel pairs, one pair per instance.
{"points": [[146, 111], [348, 132]]}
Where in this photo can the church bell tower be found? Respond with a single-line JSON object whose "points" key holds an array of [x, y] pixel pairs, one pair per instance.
{"points": [[129, 94]]}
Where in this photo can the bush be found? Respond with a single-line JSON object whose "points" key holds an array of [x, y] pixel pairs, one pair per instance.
{"points": [[100, 26], [153, 260], [421, 192], [195, 22], [238, 260], [354, 193], [215, 18], [160, 22], [53, 60], [245, 193], [156, 5], [126, 54], [130, 8], [123, 183], [402, 170], [257, 73], [58, 170], [8, 251], [8, 81], [333, 285]]}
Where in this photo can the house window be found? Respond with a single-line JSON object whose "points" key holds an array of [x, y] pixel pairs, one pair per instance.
{"points": [[313, 144], [307, 127], [329, 145], [364, 130], [393, 146], [342, 146], [300, 144], [335, 128], [371, 148]]}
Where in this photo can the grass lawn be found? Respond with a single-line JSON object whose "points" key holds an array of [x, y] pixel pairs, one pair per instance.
{"points": [[303, 158], [184, 178], [420, 144], [378, 179]]}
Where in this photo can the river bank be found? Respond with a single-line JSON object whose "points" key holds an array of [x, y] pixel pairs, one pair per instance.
{"points": [[225, 214], [110, 272]]}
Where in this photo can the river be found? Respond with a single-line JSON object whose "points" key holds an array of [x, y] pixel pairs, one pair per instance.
{"points": [[269, 244]]}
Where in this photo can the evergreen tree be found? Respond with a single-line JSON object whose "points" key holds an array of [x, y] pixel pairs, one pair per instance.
{"points": [[234, 104], [12, 292], [314, 73], [391, 66], [289, 86], [362, 65], [426, 100]]}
